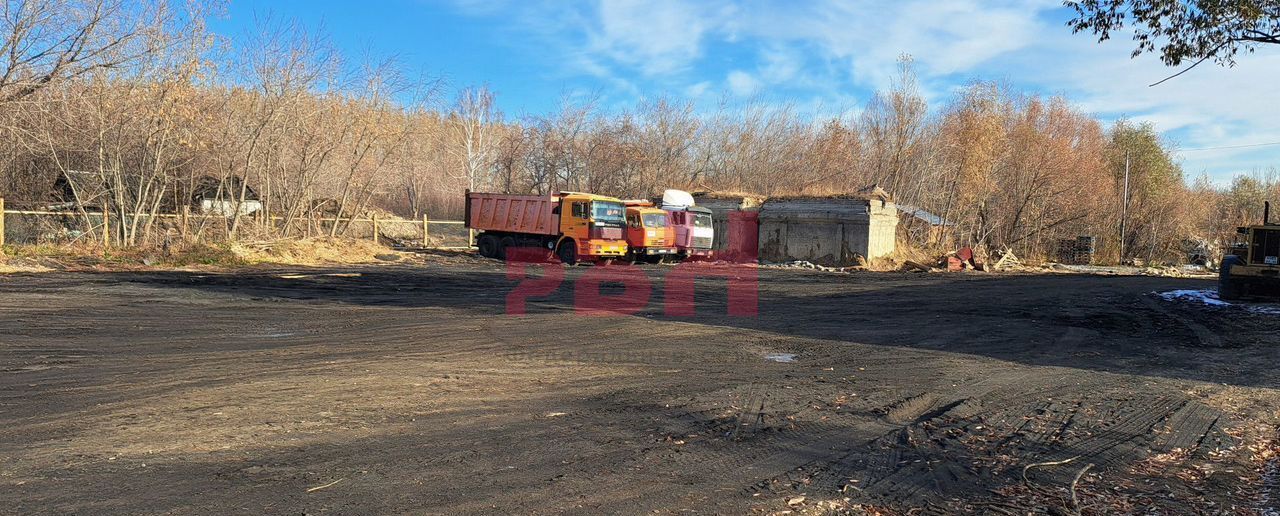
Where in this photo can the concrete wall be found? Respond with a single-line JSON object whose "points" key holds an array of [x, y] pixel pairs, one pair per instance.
{"points": [[720, 207], [828, 231], [883, 229]]}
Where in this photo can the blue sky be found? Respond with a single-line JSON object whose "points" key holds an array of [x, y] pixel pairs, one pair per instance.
{"points": [[823, 56]]}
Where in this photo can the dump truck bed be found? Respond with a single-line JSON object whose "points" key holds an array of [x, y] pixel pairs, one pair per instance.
{"points": [[530, 214]]}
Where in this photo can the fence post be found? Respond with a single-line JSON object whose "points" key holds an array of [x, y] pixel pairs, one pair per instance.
{"points": [[426, 232], [375, 228], [2, 225], [106, 227], [186, 220]]}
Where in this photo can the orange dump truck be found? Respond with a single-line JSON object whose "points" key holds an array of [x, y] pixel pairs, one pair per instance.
{"points": [[650, 237], [576, 226]]}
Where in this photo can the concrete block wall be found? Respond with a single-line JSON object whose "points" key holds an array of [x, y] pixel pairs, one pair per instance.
{"points": [[721, 205], [882, 230], [832, 231]]}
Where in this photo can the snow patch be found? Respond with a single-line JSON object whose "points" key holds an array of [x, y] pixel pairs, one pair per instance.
{"points": [[780, 357], [1210, 298]]}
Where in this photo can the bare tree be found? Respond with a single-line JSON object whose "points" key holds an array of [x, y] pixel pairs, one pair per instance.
{"points": [[146, 118], [895, 127], [475, 120], [45, 41], [284, 64]]}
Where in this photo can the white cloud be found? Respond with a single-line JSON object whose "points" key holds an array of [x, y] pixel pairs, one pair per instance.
{"points": [[657, 37], [696, 91], [666, 39], [742, 83], [869, 36], [1209, 106], [779, 64], [834, 52]]}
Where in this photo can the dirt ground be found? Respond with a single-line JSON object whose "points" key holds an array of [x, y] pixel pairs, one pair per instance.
{"points": [[406, 388]]}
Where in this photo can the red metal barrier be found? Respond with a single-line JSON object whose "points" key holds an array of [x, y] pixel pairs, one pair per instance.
{"points": [[743, 245]]}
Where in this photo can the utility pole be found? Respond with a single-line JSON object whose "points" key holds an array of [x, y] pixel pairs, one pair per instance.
{"points": [[1124, 205]]}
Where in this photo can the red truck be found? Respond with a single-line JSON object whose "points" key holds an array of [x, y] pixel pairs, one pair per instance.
{"points": [[576, 226]]}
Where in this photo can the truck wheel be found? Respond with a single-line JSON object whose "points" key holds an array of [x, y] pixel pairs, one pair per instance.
{"points": [[488, 245], [568, 252], [503, 245], [1228, 287]]}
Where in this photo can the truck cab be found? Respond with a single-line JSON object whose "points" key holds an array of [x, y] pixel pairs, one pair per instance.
{"points": [[1252, 265], [693, 231], [591, 227], [650, 236]]}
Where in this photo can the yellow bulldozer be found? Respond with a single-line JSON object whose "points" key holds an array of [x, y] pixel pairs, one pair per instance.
{"points": [[1252, 265]]}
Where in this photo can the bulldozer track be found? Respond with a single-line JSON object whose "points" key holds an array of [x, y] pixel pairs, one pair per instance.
{"points": [[244, 390]]}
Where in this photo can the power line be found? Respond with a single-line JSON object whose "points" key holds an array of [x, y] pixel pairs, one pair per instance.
{"points": [[1230, 147]]}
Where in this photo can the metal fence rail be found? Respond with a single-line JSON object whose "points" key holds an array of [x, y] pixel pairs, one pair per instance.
{"points": [[67, 227]]}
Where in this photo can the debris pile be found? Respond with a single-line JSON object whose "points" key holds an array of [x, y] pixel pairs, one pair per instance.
{"points": [[965, 259], [804, 264], [1003, 260], [1170, 271], [1166, 271], [1007, 261]]}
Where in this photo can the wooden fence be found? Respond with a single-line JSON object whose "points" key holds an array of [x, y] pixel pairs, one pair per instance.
{"points": [[97, 225]]}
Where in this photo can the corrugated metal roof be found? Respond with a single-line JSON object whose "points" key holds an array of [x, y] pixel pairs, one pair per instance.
{"points": [[923, 215], [816, 208]]}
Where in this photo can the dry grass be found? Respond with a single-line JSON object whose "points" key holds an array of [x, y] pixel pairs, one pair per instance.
{"points": [[824, 196], [902, 253], [34, 258], [11, 267], [309, 251], [312, 251], [727, 194]]}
